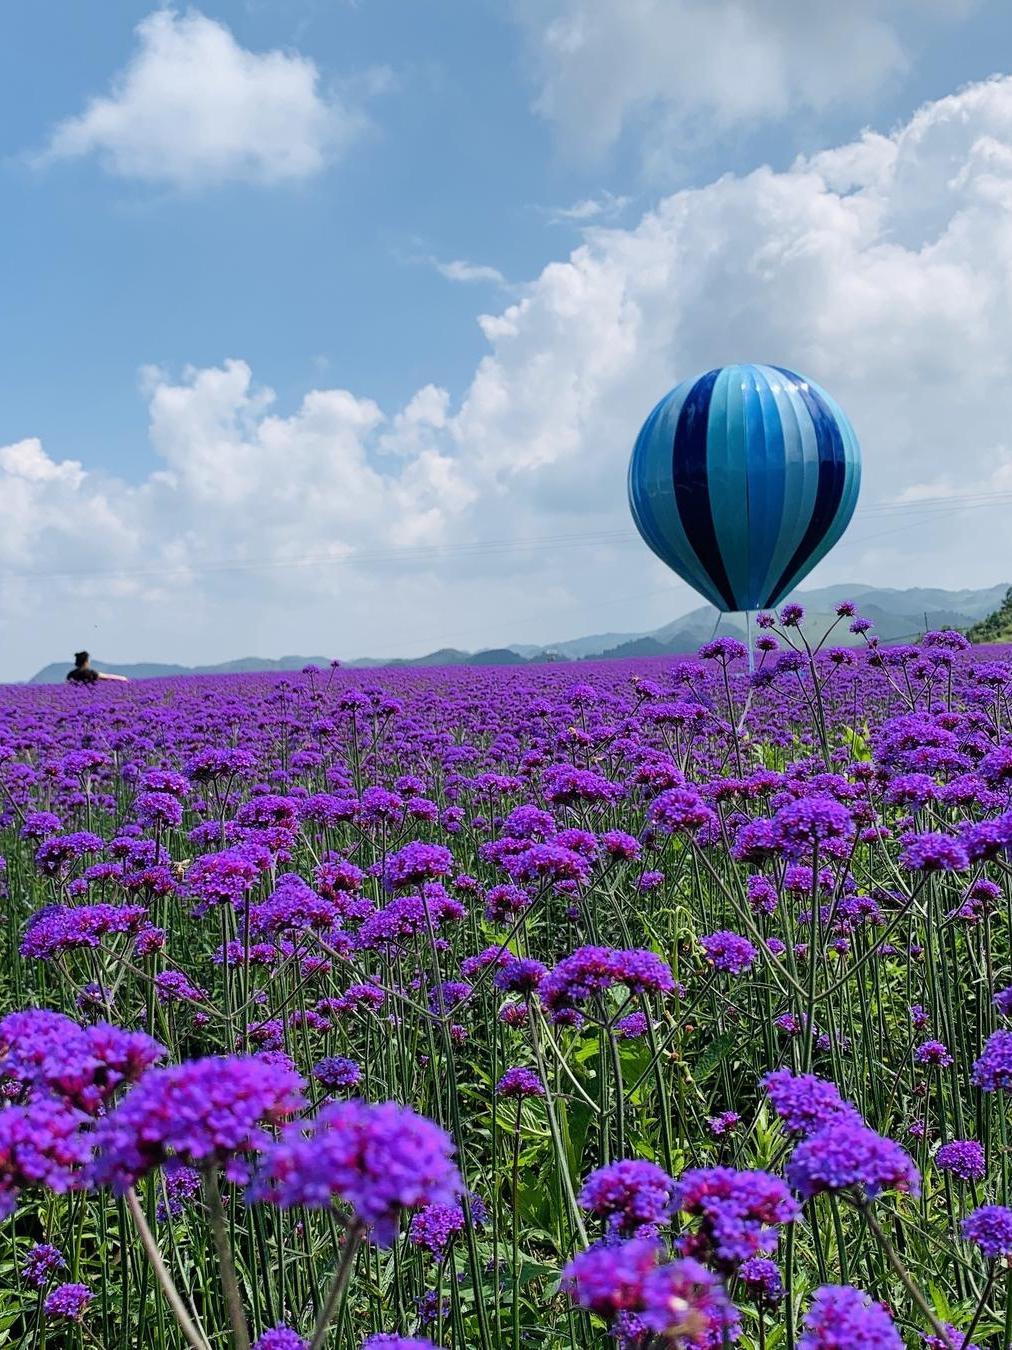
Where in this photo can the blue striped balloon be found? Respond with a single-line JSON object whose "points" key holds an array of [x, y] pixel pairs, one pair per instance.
{"points": [[742, 479]]}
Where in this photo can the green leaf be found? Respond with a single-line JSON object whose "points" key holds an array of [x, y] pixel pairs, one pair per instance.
{"points": [[714, 1054]]}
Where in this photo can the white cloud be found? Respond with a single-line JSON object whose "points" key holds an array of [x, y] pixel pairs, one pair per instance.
{"points": [[883, 269], [193, 108], [673, 63], [607, 206], [460, 270]]}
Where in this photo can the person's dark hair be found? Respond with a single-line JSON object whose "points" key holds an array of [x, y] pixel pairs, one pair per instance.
{"points": [[80, 659]]}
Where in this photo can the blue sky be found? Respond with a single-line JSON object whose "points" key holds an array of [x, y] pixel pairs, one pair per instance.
{"points": [[392, 171]]}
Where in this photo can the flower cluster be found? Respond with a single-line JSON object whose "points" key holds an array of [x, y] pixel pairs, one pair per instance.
{"points": [[204, 1112], [379, 1160]]}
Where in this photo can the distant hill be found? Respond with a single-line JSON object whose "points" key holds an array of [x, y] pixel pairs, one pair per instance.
{"points": [[898, 615], [997, 626], [56, 672]]}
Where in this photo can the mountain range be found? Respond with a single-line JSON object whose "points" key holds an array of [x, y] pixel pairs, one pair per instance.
{"points": [[897, 615]]}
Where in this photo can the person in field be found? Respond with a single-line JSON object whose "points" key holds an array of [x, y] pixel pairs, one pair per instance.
{"points": [[83, 672]]}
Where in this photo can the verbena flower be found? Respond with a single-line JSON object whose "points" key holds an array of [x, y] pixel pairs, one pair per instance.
{"points": [[179, 1185], [520, 975], [933, 852], [762, 1278], [847, 1154], [335, 1072], [591, 971], [379, 1160], [41, 1260], [843, 1318], [520, 1082], [954, 1339], [629, 1195], [738, 1212], [805, 1102], [280, 1337], [388, 1340], [685, 1305], [44, 1143], [964, 1158], [679, 810], [67, 1302], [415, 863], [203, 1112], [174, 986], [609, 1279], [435, 1227], [292, 905], [933, 1054], [58, 929], [728, 952], [990, 1228], [993, 1070], [810, 822], [726, 1123], [46, 1053]]}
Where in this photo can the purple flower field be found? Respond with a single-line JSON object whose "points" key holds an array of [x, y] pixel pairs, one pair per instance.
{"points": [[656, 1004]]}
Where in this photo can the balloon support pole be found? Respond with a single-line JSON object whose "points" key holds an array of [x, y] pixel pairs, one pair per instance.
{"points": [[748, 642]]}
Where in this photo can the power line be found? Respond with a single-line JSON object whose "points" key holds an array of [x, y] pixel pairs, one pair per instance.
{"points": [[923, 509]]}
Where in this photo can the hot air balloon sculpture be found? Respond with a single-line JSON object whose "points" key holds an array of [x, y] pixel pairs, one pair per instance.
{"points": [[742, 479]]}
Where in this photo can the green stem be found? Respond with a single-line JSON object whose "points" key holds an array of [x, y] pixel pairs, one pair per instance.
{"points": [[172, 1297], [226, 1264], [335, 1294]]}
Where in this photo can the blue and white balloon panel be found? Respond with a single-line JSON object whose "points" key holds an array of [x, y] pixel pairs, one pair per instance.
{"points": [[742, 479]]}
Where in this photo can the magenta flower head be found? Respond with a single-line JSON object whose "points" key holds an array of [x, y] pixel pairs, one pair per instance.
{"points": [[281, 1338], [685, 1305], [954, 1339], [292, 906], [56, 929], [379, 1159], [843, 1316], [415, 863], [519, 975], [762, 1278], [726, 1123], [629, 1195], [68, 1302], [435, 1227], [520, 1082], [964, 1158], [389, 1340], [723, 649], [933, 1055], [335, 1072], [934, 853], [591, 971], [762, 895], [847, 1154], [993, 1070], [728, 952], [738, 1212], [40, 1263], [680, 809], [811, 821], [804, 1102], [45, 1053], [204, 1112], [608, 1279], [44, 1143], [990, 1227]]}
